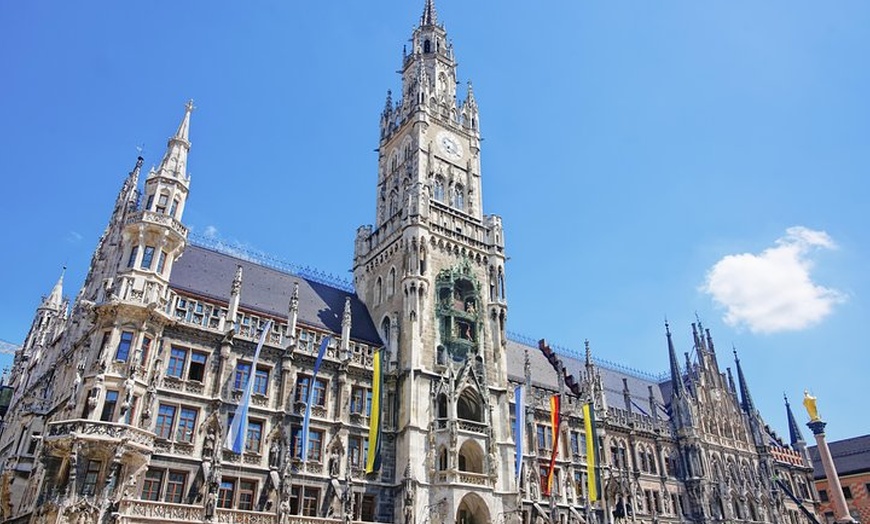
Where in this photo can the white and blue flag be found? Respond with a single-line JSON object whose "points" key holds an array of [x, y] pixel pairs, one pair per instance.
{"points": [[238, 432]]}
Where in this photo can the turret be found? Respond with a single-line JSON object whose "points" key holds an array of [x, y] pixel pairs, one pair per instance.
{"points": [[794, 431], [679, 388], [154, 236]]}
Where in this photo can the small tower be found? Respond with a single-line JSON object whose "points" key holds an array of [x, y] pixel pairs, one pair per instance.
{"points": [[154, 236]]}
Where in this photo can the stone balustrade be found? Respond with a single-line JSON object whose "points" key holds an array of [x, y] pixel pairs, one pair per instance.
{"points": [[112, 432]]}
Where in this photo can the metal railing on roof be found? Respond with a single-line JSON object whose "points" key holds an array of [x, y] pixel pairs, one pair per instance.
{"points": [[581, 356], [235, 249]]}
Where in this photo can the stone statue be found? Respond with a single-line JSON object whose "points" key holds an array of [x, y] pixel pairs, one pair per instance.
{"points": [[810, 404], [408, 503]]}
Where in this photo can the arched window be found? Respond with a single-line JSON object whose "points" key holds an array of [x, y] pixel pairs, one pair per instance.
{"points": [[458, 197], [427, 46], [471, 457], [442, 459], [469, 406], [394, 162], [385, 332], [391, 282], [394, 203], [501, 284], [438, 189], [379, 291], [441, 405]]}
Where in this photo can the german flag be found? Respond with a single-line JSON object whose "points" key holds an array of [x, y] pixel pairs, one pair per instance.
{"points": [[592, 458], [555, 420], [373, 460]]}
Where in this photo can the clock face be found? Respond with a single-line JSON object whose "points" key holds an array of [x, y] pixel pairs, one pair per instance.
{"points": [[449, 145]]}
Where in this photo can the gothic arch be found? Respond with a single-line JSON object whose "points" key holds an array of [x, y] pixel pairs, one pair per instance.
{"points": [[469, 406], [471, 457], [472, 510]]}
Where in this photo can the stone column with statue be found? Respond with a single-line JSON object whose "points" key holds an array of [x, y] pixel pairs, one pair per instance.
{"points": [[841, 511]]}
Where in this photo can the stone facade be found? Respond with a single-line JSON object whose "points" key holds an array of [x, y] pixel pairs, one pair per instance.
{"points": [[123, 397]]}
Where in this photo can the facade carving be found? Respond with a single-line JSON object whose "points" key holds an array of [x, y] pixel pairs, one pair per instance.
{"points": [[123, 396]]}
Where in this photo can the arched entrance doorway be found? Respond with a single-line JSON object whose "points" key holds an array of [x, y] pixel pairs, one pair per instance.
{"points": [[472, 510]]}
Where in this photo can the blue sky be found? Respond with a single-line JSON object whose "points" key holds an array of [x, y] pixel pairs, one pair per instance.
{"points": [[649, 159]]}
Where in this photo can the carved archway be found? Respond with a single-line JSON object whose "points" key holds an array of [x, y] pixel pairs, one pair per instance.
{"points": [[472, 510]]}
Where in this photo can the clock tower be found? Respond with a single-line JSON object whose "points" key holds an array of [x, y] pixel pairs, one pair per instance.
{"points": [[431, 272]]}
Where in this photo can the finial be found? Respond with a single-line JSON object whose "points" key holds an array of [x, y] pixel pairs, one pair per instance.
{"points": [[237, 281], [189, 106], [430, 16]]}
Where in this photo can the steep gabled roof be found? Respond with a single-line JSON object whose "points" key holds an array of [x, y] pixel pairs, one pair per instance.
{"points": [[206, 273]]}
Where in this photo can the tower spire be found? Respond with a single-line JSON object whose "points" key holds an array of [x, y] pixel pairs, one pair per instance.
{"points": [[676, 374], [794, 431], [55, 298], [174, 163], [430, 16], [745, 397]]}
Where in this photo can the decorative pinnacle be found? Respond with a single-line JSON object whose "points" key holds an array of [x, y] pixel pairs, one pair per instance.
{"points": [[430, 16]]}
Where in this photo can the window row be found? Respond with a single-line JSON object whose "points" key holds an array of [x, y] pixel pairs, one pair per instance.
{"points": [[147, 260], [162, 202]]}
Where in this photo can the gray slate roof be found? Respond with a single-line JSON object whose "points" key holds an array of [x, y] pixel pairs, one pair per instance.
{"points": [[209, 274], [850, 456], [543, 375]]}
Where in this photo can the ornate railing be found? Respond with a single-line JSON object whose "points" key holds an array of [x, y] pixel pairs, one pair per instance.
{"points": [[473, 427], [478, 479], [98, 430], [135, 510], [237, 516], [159, 218]]}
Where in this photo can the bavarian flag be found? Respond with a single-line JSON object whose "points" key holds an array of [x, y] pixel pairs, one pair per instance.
{"points": [[592, 450], [555, 420], [373, 460]]}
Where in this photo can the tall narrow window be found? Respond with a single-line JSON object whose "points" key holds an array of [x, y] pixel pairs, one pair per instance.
{"points": [[255, 436], [132, 260], [226, 494], [438, 189], [152, 484], [247, 488], [109, 405], [161, 204], [145, 348], [196, 370], [186, 425], [177, 358], [175, 487], [123, 351], [458, 198], [161, 262], [261, 381], [165, 419], [89, 486], [149, 202], [147, 257], [391, 282], [174, 208]]}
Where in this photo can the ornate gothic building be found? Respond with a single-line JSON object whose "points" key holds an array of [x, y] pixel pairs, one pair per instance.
{"points": [[123, 395]]}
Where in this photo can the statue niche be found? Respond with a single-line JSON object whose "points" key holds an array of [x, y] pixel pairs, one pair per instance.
{"points": [[458, 314]]}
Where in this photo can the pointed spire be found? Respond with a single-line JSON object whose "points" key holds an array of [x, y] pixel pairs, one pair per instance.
{"points": [[174, 163], [293, 312], [388, 105], [676, 374], [55, 298], [345, 330], [430, 16], [235, 295], [745, 397], [731, 385], [794, 430], [470, 100], [184, 127]]}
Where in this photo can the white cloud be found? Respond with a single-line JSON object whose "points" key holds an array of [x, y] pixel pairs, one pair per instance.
{"points": [[210, 232], [73, 237], [773, 291]]}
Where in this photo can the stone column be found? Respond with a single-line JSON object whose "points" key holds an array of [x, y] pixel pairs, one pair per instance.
{"points": [[835, 490]]}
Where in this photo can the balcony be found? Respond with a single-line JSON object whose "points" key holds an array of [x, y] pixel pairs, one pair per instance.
{"points": [[143, 511], [60, 434], [159, 219]]}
